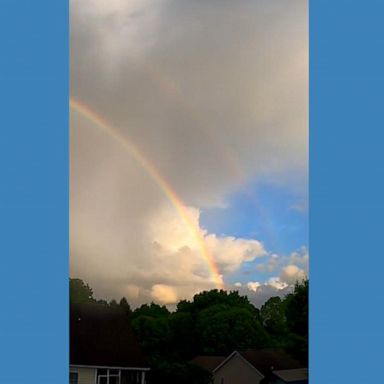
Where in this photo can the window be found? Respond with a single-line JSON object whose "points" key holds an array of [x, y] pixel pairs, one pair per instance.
{"points": [[108, 376], [73, 377]]}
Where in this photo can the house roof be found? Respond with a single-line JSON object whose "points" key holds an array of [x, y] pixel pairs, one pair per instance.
{"points": [[102, 336], [292, 375], [209, 363], [265, 360], [269, 359]]}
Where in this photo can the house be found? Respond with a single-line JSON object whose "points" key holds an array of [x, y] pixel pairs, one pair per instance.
{"points": [[103, 348], [251, 366], [291, 376]]}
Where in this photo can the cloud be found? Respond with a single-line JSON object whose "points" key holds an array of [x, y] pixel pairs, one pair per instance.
{"points": [[164, 294], [277, 283], [212, 95], [166, 262], [230, 252], [132, 291], [301, 258], [291, 274], [270, 265], [253, 286], [274, 262], [258, 293]]}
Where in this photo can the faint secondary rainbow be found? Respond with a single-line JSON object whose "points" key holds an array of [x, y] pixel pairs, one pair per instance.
{"points": [[166, 188]]}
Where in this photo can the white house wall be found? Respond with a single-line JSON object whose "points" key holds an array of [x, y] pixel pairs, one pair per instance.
{"points": [[86, 375], [237, 371]]}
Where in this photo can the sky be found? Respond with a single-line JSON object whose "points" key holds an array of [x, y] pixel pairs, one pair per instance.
{"points": [[188, 147]]}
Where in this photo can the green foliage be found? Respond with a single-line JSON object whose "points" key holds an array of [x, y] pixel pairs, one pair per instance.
{"points": [[125, 305], [286, 321], [183, 335], [80, 292], [151, 326], [207, 299], [215, 323], [223, 328], [273, 318], [102, 302], [151, 310], [184, 306], [113, 303], [297, 309], [153, 333]]}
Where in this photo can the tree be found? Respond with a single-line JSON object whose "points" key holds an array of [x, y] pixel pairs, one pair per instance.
{"points": [[296, 311], [151, 310], [154, 335], [113, 303], [272, 315], [214, 322], [184, 306], [102, 302], [222, 329], [207, 299], [184, 341], [151, 326], [125, 305], [80, 292]]}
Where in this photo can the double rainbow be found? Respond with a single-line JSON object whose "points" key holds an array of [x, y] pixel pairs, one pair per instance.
{"points": [[155, 174]]}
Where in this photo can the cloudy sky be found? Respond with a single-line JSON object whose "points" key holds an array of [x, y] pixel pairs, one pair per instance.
{"points": [[189, 147]]}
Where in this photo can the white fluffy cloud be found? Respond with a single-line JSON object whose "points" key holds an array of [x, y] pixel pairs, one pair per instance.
{"points": [[259, 292], [164, 294], [277, 283], [253, 286], [300, 258], [169, 255], [276, 262], [230, 252], [292, 273], [270, 265]]}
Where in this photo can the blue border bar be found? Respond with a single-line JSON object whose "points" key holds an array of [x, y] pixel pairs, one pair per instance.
{"points": [[346, 191], [34, 191]]}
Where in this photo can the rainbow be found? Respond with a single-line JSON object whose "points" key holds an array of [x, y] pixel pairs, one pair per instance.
{"points": [[171, 88], [155, 174]]}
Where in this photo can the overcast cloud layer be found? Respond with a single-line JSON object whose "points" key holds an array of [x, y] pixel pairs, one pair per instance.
{"points": [[214, 93]]}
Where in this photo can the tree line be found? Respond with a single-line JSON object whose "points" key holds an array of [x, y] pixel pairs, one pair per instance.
{"points": [[212, 323]]}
